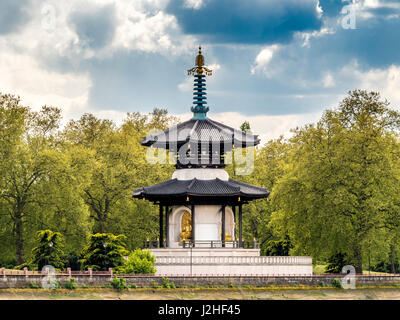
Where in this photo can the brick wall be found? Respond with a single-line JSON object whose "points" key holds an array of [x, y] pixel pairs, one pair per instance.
{"points": [[24, 281]]}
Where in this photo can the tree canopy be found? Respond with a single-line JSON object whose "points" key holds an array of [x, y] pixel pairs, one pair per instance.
{"points": [[334, 184]]}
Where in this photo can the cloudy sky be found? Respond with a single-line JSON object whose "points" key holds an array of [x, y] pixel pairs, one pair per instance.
{"points": [[277, 63]]}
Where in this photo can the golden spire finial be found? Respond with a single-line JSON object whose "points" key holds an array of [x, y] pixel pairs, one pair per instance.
{"points": [[199, 69], [200, 59]]}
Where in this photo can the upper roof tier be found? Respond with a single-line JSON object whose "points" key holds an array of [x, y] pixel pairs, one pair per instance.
{"points": [[204, 131]]}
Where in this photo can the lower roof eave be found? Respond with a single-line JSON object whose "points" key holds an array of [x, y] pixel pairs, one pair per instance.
{"points": [[199, 200]]}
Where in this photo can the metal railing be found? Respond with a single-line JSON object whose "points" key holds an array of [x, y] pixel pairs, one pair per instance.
{"points": [[151, 244]]}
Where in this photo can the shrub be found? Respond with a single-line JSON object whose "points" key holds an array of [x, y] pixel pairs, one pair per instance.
{"points": [[56, 284], [139, 261], [336, 284], [166, 283], [49, 250], [70, 284], [133, 286], [34, 285], [73, 262], [105, 250], [119, 284], [8, 263]]}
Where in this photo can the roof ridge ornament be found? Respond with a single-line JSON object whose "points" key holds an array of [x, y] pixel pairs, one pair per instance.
{"points": [[199, 94]]}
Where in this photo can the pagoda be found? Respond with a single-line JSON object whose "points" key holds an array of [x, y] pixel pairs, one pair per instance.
{"points": [[200, 208]]}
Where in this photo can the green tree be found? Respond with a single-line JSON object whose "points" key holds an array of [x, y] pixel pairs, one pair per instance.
{"points": [[49, 250], [278, 247], [336, 263], [339, 179], [104, 251], [245, 127], [27, 159], [118, 166], [269, 166]]}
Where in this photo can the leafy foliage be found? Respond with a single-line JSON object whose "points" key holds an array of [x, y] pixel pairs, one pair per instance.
{"points": [[334, 184], [104, 251], [336, 263], [384, 266], [70, 284], [34, 285], [341, 180], [336, 284], [119, 284], [49, 250], [278, 247], [73, 262], [139, 261], [245, 127], [167, 283]]}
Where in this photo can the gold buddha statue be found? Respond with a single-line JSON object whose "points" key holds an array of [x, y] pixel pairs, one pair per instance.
{"points": [[186, 227]]}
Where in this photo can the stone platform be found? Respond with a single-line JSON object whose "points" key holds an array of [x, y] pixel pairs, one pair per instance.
{"points": [[227, 261]]}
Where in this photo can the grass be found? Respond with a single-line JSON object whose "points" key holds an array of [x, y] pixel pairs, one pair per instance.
{"points": [[320, 269], [264, 293], [366, 272]]}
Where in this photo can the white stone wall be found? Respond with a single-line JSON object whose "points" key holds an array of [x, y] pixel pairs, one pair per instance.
{"points": [[200, 174], [233, 265], [225, 261]]}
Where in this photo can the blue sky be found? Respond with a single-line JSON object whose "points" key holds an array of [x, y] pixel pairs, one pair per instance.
{"points": [[277, 63]]}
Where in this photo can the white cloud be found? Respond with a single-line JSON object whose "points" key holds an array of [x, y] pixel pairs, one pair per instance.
{"points": [[371, 3], [385, 81], [307, 36], [155, 31], [116, 116], [263, 59], [319, 9], [139, 25], [328, 81], [374, 4], [364, 7], [214, 66], [48, 36], [194, 4], [21, 75], [186, 85]]}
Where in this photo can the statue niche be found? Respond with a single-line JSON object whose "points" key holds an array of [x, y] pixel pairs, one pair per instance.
{"points": [[186, 227]]}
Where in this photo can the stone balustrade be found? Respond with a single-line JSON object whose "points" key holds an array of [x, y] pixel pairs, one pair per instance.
{"points": [[255, 260]]}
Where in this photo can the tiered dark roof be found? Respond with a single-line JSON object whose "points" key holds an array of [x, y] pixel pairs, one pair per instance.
{"points": [[200, 131], [197, 191], [200, 143]]}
